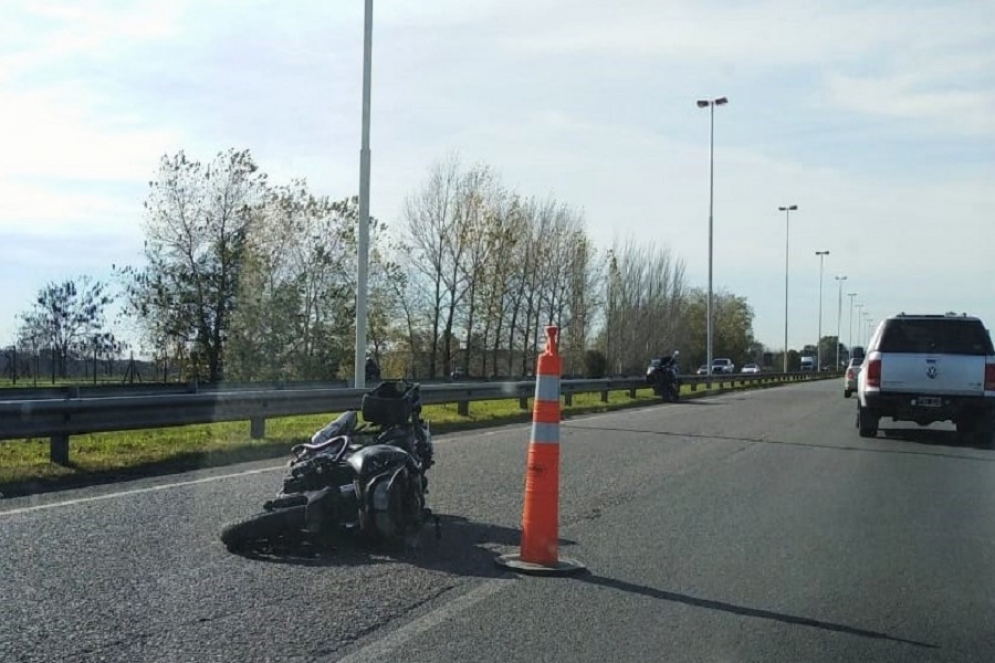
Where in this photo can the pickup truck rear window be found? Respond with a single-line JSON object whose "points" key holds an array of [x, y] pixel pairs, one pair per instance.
{"points": [[939, 336]]}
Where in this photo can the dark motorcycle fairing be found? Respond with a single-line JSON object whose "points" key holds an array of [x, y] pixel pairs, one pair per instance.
{"points": [[376, 459]]}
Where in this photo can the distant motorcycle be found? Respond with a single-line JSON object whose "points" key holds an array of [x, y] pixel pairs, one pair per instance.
{"points": [[368, 479], [663, 375]]}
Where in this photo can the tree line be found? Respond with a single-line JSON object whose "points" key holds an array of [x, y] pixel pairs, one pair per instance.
{"points": [[244, 279]]}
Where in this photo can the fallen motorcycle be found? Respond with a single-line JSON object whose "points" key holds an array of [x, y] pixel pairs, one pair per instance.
{"points": [[367, 479]]}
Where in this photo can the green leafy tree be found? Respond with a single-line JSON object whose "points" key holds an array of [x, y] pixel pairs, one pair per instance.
{"points": [[595, 364], [828, 348], [65, 316], [198, 218], [732, 328]]}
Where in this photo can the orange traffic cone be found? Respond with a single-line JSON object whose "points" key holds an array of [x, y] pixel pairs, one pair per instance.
{"points": [[541, 514]]}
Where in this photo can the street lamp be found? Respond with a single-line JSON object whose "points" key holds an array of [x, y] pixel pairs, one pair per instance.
{"points": [[849, 351], [787, 209], [710, 104], [818, 345], [363, 266], [839, 318]]}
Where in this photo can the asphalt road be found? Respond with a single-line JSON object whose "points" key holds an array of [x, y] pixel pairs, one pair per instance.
{"points": [[747, 527]]}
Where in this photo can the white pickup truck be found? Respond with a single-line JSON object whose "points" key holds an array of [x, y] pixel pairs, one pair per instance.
{"points": [[929, 368]]}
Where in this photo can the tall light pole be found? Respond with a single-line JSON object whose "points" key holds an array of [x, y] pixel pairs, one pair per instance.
{"points": [[710, 104], [849, 346], [364, 202], [818, 345], [787, 209], [839, 318]]}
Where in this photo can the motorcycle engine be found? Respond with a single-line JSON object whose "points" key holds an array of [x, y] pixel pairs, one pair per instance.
{"points": [[395, 503]]}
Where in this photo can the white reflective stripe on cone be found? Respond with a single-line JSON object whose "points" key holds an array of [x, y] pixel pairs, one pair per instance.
{"points": [[545, 433], [548, 388]]}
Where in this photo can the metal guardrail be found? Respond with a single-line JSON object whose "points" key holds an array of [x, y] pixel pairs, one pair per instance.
{"points": [[104, 390], [59, 418]]}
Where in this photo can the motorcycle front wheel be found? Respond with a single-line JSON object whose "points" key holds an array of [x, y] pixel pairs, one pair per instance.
{"points": [[267, 526]]}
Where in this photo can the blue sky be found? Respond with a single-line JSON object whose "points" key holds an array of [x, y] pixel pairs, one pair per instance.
{"points": [[876, 119]]}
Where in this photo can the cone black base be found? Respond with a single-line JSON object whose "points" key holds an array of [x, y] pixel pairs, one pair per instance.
{"points": [[564, 566]]}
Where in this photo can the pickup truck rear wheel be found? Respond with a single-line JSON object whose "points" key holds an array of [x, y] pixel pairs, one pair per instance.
{"points": [[984, 431], [867, 422]]}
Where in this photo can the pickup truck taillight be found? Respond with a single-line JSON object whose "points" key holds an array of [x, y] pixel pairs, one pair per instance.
{"points": [[989, 377], [874, 373]]}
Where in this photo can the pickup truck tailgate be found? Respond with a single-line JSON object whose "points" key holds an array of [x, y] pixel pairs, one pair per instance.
{"points": [[947, 374]]}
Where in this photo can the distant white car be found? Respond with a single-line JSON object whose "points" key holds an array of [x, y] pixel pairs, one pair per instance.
{"points": [[850, 377], [723, 365], [751, 368], [703, 370]]}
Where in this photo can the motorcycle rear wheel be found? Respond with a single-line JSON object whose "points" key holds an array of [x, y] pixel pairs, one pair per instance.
{"points": [[266, 526]]}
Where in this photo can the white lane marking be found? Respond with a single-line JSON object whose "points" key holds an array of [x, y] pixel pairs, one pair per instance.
{"points": [[136, 491], [378, 651]]}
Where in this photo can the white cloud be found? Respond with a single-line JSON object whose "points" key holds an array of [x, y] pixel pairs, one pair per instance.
{"points": [[54, 132], [948, 107], [780, 33]]}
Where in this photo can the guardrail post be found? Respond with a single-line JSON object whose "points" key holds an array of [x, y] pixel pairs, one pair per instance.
{"points": [[604, 396], [568, 399], [59, 449], [523, 402], [257, 428], [632, 393], [463, 408]]}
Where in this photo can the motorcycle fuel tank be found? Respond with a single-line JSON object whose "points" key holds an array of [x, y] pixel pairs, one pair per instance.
{"points": [[377, 458]]}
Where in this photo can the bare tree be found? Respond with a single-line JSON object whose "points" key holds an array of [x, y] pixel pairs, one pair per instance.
{"points": [[645, 291], [431, 218]]}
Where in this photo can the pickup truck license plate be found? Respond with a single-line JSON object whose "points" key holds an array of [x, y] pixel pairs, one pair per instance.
{"points": [[929, 401]]}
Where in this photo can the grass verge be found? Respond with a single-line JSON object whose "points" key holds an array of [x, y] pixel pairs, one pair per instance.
{"points": [[110, 457]]}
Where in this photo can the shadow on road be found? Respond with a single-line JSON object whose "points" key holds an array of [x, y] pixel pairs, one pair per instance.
{"points": [[466, 548], [745, 611]]}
